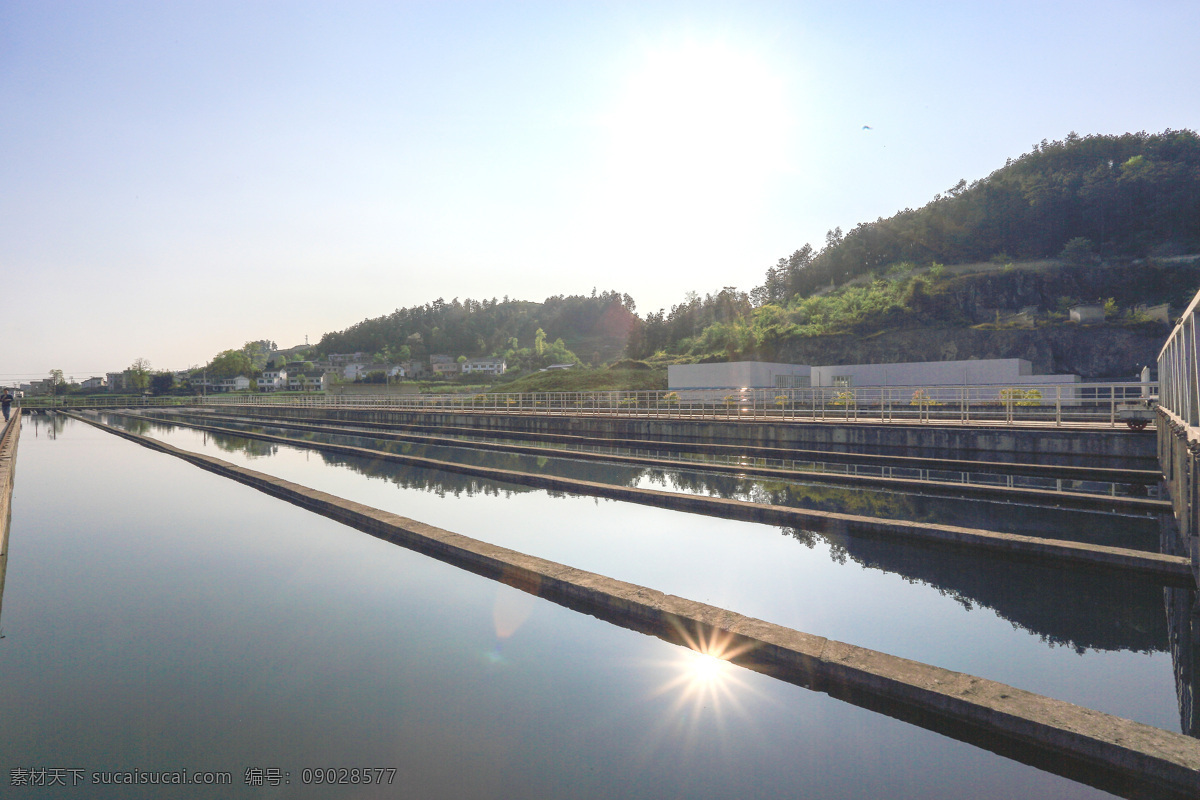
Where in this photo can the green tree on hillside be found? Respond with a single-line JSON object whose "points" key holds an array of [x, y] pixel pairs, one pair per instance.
{"points": [[230, 364], [138, 374]]}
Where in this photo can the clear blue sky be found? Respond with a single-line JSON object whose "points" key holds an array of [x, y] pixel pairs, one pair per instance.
{"points": [[177, 178]]}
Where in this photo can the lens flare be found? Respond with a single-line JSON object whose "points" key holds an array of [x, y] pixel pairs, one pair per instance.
{"points": [[706, 667]]}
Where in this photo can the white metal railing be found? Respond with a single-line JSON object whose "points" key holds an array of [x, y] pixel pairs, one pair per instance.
{"points": [[1177, 369], [1003, 404]]}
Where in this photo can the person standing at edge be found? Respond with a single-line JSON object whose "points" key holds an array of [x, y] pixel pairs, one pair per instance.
{"points": [[6, 399]]}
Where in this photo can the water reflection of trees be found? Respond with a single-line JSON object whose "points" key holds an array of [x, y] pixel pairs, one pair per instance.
{"points": [[1106, 529], [229, 443], [1080, 609], [442, 484], [1055, 523]]}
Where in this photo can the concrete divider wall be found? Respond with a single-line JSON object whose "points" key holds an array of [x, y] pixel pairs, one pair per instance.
{"points": [[1119, 448], [1115, 754], [8, 472]]}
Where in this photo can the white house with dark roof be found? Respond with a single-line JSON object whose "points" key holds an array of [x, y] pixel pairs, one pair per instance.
{"points": [[273, 379], [489, 366], [311, 381]]}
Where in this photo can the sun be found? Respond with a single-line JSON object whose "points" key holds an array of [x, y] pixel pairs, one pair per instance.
{"points": [[698, 123]]}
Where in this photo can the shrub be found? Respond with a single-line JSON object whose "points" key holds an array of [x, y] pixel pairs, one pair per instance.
{"points": [[922, 398], [1021, 397]]}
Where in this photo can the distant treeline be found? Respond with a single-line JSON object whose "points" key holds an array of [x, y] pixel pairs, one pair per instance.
{"points": [[596, 327]]}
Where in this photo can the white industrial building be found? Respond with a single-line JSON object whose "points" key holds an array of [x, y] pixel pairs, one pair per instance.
{"points": [[700, 380], [976, 372], [738, 375]]}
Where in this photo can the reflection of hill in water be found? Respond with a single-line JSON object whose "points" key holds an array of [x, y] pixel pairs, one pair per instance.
{"points": [[1073, 608], [440, 483], [1106, 529], [1053, 523], [254, 448]]}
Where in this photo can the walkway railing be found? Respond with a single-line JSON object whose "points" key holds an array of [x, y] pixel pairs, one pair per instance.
{"points": [[1178, 372], [1009, 404], [1179, 428], [1092, 403]]}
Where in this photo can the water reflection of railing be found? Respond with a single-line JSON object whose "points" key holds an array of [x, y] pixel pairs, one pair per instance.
{"points": [[991, 404]]}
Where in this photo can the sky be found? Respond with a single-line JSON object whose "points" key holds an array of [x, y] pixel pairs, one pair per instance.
{"points": [[179, 178]]}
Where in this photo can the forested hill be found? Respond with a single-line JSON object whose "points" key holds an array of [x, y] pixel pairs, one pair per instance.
{"points": [[595, 328], [1136, 194], [1087, 219]]}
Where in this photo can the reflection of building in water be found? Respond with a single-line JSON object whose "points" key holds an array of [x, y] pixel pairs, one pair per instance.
{"points": [[1183, 621]]}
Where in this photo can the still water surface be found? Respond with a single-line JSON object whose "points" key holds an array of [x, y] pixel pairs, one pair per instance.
{"points": [[1093, 638], [1131, 530], [157, 616]]}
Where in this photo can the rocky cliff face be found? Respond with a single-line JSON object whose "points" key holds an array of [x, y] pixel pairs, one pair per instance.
{"points": [[1098, 352], [1094, 352]]}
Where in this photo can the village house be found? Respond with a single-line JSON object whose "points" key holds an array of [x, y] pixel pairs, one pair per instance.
{"points": [[489, 366], [310, 381], [414, 368], [342, 359], [443, 365], [273, 379], [238, 383]]}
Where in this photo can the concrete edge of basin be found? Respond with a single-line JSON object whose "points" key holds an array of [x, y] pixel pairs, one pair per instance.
{"points": [[8, 474]]}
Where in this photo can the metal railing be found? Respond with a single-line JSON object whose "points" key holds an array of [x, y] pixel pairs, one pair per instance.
{"points": [[104, 401], [995, 404], [1177, 369], [1013, 404], [1179, 429]]}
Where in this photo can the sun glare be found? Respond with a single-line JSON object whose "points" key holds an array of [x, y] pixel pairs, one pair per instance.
{"points": [[706, 667], [701, 119], [705, 673], [696, 143]]}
